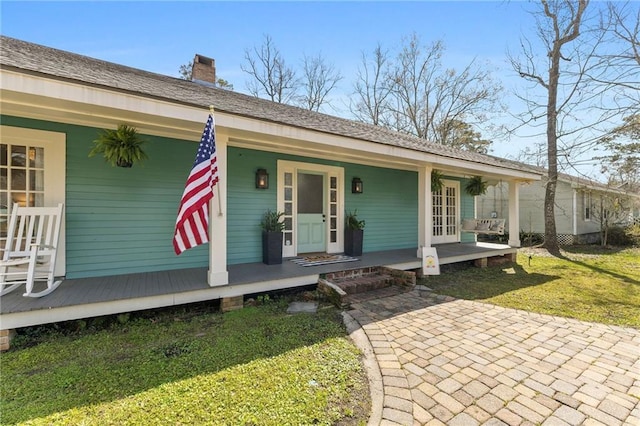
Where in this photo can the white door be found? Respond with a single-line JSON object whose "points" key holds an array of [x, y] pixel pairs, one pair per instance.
{"points": [[446, 213]]}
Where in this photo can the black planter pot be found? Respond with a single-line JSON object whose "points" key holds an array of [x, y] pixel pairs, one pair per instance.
{"points": [[124, 163], [353, 242], [271, 247]]}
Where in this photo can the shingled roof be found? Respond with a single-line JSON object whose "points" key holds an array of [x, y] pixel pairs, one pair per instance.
{"points": [[58, 64]]}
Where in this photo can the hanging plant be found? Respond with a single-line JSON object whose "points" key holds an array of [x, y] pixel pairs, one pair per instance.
{"points": [[476, 186], [436, 180], [121, 147]]}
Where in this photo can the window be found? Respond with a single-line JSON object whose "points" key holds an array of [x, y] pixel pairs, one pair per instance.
{"points": [[21, 176], [586, 201]]}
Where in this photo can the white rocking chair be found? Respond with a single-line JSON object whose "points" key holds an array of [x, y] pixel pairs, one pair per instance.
{"points": [[30, 251]]}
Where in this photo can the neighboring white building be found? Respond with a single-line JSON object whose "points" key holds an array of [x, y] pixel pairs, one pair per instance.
{"points": [[577, 209]]}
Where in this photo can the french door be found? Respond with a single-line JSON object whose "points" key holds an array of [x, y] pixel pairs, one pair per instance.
{"points": [[446, 213], [32, 174]]}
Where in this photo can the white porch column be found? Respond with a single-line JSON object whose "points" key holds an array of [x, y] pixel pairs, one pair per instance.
{"points": [[574, 217], [218, 274], [514, 213], [425, 208]]}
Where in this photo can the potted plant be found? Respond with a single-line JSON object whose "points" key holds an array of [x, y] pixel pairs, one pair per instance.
{"points": [[436, 180], [476, 186], [353, 234], [272, 227], [121, 147]]}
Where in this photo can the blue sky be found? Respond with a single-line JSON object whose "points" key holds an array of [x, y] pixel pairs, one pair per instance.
{"points": [[160, 36]]}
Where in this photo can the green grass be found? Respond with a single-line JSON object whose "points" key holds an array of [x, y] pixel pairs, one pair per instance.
{"points": [[257, 365], [590, 284]]}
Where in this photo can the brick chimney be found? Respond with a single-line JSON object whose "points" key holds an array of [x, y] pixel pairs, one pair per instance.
{"points": [[204, 70]]}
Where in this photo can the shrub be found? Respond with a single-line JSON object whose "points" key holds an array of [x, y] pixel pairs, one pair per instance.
{"points": [[529, 239], [633, 234]]}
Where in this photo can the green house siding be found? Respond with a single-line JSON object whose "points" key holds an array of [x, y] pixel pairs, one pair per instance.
{"points": [[246, 204], [388, 205], [122, 220]]}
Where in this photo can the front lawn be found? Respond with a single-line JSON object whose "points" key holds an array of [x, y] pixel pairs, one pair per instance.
{"points": [[590, 284], [193, 365]]}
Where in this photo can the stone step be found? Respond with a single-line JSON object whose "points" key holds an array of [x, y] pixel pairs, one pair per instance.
{"points": [[351, 285]]}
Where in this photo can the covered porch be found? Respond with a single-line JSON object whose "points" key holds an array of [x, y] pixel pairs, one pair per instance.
{"points": [[90, 297]]}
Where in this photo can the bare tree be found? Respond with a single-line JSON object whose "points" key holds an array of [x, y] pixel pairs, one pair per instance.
{"points": [[622, 143], [271, 76], [581, 84], [536, 155], [620, 24], [558, 25], [431, 99], [319, 78], [371, 89], [415, 93], [626, 27]]}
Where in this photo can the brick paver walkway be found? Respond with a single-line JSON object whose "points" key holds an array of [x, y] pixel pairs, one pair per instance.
{"points": [[457, 362]]}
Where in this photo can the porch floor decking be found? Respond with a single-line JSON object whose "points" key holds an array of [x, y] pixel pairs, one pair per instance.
{"points": [[88, 297]]}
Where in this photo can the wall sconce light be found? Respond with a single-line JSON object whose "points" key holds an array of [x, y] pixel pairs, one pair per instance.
{"points": [[356, 186], [262, 179]]}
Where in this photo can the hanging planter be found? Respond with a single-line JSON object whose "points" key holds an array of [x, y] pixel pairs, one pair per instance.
{"points": [[436, 180], [121, 147], [476, 186]]}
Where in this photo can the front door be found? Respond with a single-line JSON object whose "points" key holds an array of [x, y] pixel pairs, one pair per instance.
{"points": [[311, 196], [446, 213], [311, 215]]}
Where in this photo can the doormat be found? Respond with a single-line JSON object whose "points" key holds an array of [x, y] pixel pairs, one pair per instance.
{"points": [[323, 259]]}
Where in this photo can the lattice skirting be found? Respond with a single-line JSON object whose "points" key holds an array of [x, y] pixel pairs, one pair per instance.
{"points": [[565, 239], [570, 239]]}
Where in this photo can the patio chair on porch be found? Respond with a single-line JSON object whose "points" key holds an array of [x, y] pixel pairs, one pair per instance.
{"points": [[30, 250]]}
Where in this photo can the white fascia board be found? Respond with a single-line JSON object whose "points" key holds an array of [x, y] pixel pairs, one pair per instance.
{"points": [[600, 189], [36, 97], [33, 96]]}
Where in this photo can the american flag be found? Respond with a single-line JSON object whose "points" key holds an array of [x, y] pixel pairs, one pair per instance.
{"points": [[192, 225]]}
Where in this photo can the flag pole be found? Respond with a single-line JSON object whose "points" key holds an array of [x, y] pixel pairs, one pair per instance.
{"points": [[211, 111]]}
